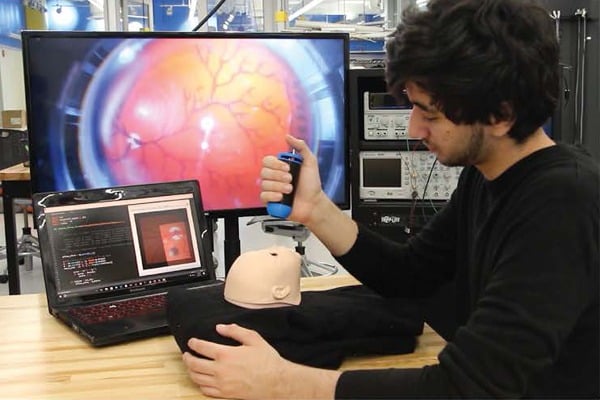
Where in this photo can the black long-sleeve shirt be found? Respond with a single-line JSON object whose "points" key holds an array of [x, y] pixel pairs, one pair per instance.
{"points": [[524, 250]]}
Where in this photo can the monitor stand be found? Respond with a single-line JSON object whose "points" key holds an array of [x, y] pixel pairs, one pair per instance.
{"points": [[231, 243], [299, 233]]}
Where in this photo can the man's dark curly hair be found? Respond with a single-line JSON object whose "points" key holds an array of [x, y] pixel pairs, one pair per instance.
{"points": [[479, 60]]}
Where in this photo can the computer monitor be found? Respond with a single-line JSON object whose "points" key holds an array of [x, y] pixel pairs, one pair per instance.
{"points": [[118, 108]]}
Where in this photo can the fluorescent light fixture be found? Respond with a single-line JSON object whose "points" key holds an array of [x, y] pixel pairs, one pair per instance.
{"points": [[97, 4], [422, 3], [305, 9]]}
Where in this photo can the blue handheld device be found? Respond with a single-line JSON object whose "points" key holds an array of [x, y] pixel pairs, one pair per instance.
{"points": [[283, 208]]}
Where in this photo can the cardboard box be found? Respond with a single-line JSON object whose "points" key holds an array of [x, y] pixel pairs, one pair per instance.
{"points": [[14, 119]]}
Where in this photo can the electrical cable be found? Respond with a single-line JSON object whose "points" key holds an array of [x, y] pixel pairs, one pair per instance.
{"points": [[566, 88], [583, 39], [407, 142], [411, 214], [577, 73], [210, 14], [425, 191], [555, 15], [408, 229], [409, 162]]}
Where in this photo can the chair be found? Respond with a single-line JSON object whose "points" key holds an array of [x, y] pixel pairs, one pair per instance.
{"points": [[299, 233], [14, 149], [4, 275], [27, 245]]}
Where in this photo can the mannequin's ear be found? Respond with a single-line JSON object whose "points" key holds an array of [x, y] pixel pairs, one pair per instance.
{"points": [[280, 292]]}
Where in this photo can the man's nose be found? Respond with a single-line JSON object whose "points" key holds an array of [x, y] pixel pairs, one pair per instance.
{"points": [[416, 129]]}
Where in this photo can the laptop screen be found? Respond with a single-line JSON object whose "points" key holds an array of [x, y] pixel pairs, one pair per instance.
{"points": [[110, 241]]}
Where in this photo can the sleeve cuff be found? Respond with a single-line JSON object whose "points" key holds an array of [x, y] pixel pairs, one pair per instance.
{"points": [[378, 384]]}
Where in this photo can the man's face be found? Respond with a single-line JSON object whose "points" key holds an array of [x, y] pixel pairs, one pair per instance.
{"points": [[452, 144]]}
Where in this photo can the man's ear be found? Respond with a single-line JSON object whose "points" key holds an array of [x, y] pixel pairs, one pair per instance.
{"points": [[501, 127], [280, 292]]}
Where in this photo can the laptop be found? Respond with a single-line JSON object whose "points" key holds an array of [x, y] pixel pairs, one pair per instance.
{"points": [[110, 255]]}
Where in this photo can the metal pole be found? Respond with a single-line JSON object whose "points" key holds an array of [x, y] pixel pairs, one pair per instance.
{"points": [[269, 7], [112, 15]]}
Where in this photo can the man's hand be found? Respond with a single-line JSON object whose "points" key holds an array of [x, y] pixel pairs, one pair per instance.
{"points": [[276, 180], [249, 371], [253, 370], [312, 208]]}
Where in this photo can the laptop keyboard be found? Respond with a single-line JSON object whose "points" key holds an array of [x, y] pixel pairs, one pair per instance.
{"points": [[97, 313]]}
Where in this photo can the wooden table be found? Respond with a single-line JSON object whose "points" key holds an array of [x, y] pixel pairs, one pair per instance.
{"points": [[17, 172], [15, 184], [40, 358]]}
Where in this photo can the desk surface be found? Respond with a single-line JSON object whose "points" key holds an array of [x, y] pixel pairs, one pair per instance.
{"points": [[17, 172], [41, 358]]}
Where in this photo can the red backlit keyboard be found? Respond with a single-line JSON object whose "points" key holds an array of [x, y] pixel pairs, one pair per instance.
{"points": [[96, 313]]}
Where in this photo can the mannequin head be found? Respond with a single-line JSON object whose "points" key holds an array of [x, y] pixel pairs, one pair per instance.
{"points": [[264, 278]]}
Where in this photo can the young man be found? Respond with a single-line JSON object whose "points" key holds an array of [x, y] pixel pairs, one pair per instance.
{"points": [[519, 235]]}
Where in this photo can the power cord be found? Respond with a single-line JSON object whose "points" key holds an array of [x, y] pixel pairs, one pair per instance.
{"points": [[415, 196], [425, 190]]}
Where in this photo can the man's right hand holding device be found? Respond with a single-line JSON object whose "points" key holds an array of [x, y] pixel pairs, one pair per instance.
{"points": [[311, 207]]}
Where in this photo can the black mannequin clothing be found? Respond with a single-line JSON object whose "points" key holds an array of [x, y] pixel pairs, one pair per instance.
{"points": [[524, 251], [325, 328]]}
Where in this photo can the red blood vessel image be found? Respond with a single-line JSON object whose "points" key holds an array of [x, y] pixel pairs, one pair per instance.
{"points": [[208, 109]]}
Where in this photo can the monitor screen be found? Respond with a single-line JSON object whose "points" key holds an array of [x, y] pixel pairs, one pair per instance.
{"points": [[120, 108]]}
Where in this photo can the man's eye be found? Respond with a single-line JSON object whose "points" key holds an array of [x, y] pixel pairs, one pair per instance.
{"points": [[429, 118]]}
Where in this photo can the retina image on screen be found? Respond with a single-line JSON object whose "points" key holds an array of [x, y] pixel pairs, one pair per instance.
{"points": [[119, 108], [164, 238]]}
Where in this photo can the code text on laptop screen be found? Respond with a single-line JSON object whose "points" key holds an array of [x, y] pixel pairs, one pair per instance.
{"points": [[108, 247]]}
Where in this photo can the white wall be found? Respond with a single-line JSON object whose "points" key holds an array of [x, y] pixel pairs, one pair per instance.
{"points": [[12, 86]]}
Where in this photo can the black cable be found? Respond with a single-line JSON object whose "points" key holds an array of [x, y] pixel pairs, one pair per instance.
{"points": [[577, 79], [408, 229], [429, 177], [582, 77], [210, 14], [425, 192]]}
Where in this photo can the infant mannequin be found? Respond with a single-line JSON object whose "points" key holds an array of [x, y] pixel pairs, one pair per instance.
{"points": [[264, 278]]}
